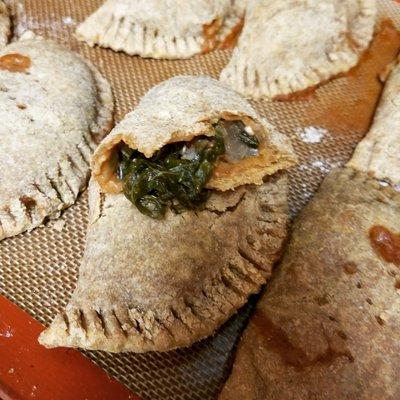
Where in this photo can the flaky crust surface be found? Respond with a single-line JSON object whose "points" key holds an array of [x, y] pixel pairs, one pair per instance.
{"points": [[378, 153], [5, 25], [328, 326], [161, 28], [52, 117], [288, 46], [147, 285], [180, 109]]}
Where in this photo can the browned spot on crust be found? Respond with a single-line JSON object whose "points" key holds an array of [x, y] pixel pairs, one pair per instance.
{"points": [[210, 32], [231, 40], [277, 340], [322, 300], [385, 243], [350, 268], [15, 62], [28, 202]]}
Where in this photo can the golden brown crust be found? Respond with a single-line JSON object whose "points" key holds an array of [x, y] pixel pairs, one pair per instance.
{"points": [[328, 326], [158, 285]]}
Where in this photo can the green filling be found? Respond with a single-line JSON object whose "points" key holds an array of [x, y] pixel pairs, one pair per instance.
{"points": [[174, 177]]}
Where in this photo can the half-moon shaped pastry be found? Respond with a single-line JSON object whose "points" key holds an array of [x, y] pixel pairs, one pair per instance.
{"points": [[288, 46], [54, 108], [379, 153], [5, 25], [163, 28], [328, 326], [157, 284]]}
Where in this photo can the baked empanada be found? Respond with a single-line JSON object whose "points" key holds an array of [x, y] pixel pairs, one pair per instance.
{"points": [[157, 284], [291, 45], [5, 25], [379, 153], [163, 28], [54, 108], [328, 326]]}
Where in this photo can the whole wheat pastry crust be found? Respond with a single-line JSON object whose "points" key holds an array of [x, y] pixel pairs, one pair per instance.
{"points": [[180, 109], [289, 46], [328, 325], [53, 115], [378, 153], [147, 285], [5, 25], [162, 28], [162, 284]]}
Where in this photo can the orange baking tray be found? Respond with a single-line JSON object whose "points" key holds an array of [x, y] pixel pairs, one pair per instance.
{"points": [[30, 371]]}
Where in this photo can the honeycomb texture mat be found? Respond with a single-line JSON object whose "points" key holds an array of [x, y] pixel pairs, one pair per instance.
{"points": [[38, 270]]}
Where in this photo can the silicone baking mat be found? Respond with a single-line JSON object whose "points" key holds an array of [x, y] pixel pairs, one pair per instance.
{"points": [[38, 270]]}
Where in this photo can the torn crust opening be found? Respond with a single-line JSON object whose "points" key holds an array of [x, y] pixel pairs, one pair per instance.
{"points": [[228, 172]]}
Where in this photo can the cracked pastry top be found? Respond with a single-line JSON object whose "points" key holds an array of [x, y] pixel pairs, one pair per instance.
{"points": [[54, 108], [163, 28], [289, 46], [188, 212]]}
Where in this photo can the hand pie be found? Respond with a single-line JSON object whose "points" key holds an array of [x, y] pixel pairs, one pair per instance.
{"points": [[163, 28], [291, 45], [5, 25], [328, 325], [54, 107], [156, 282], [378, 153]]}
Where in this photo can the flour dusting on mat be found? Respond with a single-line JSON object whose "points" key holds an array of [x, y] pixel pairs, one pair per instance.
{"points": [[307, 191], [68, 21], [25, 23], [321, 165], [324, 166], [311, 134], [58, 225]]}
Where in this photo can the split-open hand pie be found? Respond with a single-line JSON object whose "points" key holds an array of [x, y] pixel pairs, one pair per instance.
{"points": [[188, 212]]}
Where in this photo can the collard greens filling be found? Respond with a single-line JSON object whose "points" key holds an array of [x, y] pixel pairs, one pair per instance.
{"points": [[175, 177]]}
